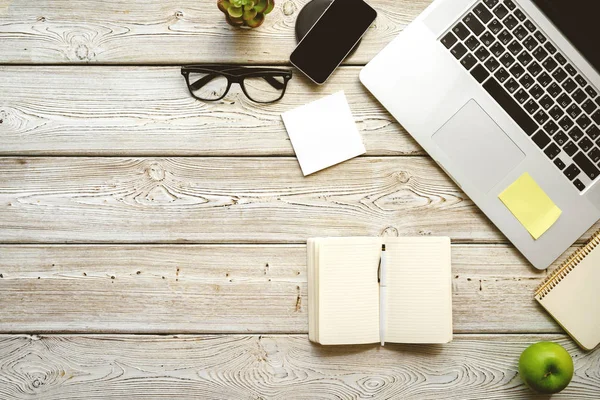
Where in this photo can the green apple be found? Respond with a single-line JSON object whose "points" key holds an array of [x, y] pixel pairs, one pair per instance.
{"points": [[546, 367]]}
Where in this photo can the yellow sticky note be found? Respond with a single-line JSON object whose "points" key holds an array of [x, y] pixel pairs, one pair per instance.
{"points": [[530, 205]]}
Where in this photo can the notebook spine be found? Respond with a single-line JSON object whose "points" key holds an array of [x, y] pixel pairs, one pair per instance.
{"points": [[570, 263]]}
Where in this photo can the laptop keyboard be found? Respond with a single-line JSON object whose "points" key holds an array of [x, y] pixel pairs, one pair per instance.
{"points": [[534, 83]]}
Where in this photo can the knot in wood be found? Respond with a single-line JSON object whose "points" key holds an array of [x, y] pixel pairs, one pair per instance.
{"points": [[390, 231], [156, 172], [179, 14], [82, 52], [289, 8], [11, 118], [36, 383], [372, 385], [402, 177]]}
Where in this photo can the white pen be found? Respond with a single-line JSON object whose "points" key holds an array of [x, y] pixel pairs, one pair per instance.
{"points": [[382, 295]]}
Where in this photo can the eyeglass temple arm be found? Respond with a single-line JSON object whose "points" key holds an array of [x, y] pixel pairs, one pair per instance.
{"points": [[273, 82]]}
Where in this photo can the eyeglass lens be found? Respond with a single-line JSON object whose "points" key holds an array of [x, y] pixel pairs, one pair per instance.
{"points": [[212, 86], [264, 89], [207, 85]]}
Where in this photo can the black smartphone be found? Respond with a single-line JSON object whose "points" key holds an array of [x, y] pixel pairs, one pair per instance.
{"points": [[332, 38]]}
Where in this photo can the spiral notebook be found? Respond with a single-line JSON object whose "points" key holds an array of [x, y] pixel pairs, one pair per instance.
{"points": [[344, 290], [571, 294]]}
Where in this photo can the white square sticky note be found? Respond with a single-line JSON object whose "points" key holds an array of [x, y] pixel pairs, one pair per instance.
{"points": [[323, 133]]}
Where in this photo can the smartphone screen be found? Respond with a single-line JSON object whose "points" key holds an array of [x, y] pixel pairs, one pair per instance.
{"points": [[332, 38]]}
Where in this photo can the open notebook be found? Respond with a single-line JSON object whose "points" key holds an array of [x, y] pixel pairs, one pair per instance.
{"points": [[571, 294], [343, 290]]}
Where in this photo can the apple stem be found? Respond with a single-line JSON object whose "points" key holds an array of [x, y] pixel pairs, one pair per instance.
{"points": [[547, 374]]}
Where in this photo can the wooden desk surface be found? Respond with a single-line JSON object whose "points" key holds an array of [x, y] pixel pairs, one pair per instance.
{"points": [[152, 246]]}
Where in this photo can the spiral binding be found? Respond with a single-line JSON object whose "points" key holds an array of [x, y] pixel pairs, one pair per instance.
{"points": [[570, 263]]}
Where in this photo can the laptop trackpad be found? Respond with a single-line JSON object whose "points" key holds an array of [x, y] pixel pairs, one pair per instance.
{"points": [[478, 148]]}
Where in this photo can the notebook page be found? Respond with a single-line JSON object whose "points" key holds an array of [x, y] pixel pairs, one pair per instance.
{"points": [[575, 301], [311, 249], [419, 293], [348, 290]]}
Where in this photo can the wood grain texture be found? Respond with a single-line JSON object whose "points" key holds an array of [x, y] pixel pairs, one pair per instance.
{"points": [[232, 289], [274, 367], [166, 32], [229, 200], [148, 111], [236, 192]]}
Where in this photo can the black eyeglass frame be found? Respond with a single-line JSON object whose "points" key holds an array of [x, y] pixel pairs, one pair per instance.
{"points": [[237, 74]]}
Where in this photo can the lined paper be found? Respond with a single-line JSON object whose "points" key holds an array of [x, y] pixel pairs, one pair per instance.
{"points": [[344, 290], [575, 301], [419, 294], [348, 290]]}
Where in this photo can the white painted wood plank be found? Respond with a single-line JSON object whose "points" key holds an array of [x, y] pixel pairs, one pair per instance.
{"points": [[153, 289], [166, 31], [274, 367], [148, 111], [228, 200], [233, 289]]}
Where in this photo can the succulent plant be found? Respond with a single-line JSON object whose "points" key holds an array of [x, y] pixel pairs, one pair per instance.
{"points": [[246, 12]]}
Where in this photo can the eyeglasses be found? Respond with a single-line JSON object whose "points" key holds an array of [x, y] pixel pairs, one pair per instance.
{"points": [[212, 82]]}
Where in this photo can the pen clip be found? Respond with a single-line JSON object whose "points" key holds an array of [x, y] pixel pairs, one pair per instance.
{"points": [[379, 267]]}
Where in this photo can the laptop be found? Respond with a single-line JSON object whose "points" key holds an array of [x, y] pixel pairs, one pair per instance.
{"points": [[493, 89]]}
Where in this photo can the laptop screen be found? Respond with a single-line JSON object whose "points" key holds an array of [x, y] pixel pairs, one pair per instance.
{"points": [[578, 21]]}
